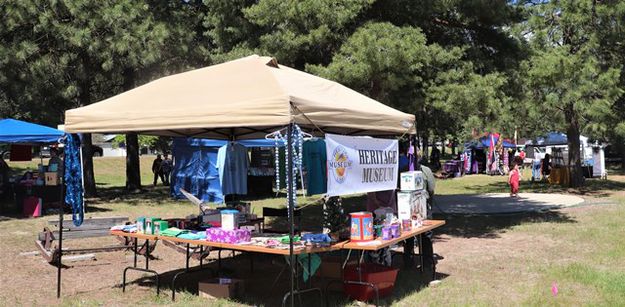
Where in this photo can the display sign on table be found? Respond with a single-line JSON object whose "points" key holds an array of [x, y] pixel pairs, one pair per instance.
{"points": [[361, 164]]}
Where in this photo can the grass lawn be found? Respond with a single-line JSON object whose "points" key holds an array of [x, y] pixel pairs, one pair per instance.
{"points": [[489, 260]]}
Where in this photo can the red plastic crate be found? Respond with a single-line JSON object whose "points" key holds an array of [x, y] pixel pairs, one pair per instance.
{"points": [[378, 275]]}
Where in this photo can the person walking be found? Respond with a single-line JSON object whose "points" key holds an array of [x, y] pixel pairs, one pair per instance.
{"points": [[166, 167], [514, 179], [157, 169]]}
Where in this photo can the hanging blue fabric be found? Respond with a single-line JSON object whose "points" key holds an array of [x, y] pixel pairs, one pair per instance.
{"points": [[73, 178]]}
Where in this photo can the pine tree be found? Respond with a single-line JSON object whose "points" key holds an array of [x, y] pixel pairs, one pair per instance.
{"points": [[568, 83]]}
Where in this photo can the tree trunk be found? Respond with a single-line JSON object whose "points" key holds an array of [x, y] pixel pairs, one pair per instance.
{"points": [[87, 166], [133, 171], [575, 161], [133, 168]]}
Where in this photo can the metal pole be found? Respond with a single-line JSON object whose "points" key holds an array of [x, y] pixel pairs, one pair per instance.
{"points": [[61, 206], [292, 188]]}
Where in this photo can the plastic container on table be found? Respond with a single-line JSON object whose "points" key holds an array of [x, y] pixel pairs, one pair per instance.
{"points": [[395, 233], [229, 219], [386, 233], [362, 226], [380, 276]]}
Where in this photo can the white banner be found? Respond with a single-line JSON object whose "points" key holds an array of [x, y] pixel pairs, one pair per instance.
{"points": [[361, 164]]}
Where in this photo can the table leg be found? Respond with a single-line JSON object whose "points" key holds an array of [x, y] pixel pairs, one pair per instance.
{"points": [[370, 285], [146, 270], [219, 260], [420, 242], [359, 281], [147, 254], [201, 256], [187, 269], [298, 292], [349, 254], [409, 252], [135, 251]]}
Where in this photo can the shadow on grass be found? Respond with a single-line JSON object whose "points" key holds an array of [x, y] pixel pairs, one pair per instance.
{"points": [[593, 187], [491, 226], [148, 195], [269, 281]]}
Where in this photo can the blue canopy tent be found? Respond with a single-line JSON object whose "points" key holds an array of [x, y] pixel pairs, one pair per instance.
{"points": [[14, 131], [195, 169], [549, 139], [484, 142]]}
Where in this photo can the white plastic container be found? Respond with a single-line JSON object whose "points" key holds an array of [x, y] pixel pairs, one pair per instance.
{"points": [[229, 219], [411, 181]]}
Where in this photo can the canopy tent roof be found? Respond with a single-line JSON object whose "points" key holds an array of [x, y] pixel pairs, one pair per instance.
{"points": [[19, 132], [549, 139], [241, 99], [554, 139]]}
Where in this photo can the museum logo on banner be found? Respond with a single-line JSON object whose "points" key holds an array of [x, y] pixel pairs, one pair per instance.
{"points": [[339, 164], [361, 164]]}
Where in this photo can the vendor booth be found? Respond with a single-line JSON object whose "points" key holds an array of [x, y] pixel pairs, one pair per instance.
{"points": [[254, 98], [479, 154], [555, 144], [35, 194], [196, 170]]}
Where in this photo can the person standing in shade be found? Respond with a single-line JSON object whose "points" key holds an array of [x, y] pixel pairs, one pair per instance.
{"points": [[435, 157], [166, 167], [545, 168], [4, 179], [157, 169], [56, 160]]}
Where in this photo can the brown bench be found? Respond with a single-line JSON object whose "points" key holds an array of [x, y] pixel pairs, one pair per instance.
{"points": [[47, 241]]}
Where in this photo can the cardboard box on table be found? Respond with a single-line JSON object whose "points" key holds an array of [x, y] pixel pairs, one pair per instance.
{"points": [[221, 288], [411, 203], [411, 181], [52, 178]]}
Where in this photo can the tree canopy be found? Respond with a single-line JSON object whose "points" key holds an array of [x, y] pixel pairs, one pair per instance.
{"points": [[461, 66]]}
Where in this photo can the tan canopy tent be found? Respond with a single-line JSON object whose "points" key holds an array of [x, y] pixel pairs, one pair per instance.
{"points": [[243, 99], [240, 99]]}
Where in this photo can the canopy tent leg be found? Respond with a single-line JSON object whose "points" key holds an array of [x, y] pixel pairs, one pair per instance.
{"points": [[290, 190], [60, 251]]}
